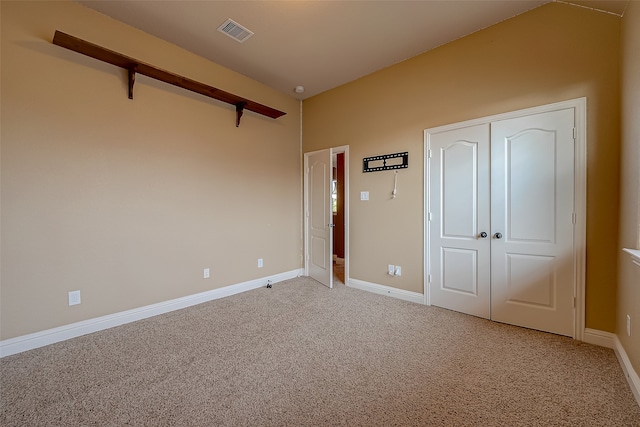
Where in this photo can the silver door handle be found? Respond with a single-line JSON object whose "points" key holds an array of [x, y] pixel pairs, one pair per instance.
{"points": [[483, 234], [331, 225], [498, 235]]}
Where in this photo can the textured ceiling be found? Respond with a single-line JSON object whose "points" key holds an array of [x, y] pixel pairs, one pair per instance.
{"points": [[317, 44]]}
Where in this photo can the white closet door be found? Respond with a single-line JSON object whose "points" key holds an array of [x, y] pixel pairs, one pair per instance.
{"points": [[459, 256], [532, 205]]}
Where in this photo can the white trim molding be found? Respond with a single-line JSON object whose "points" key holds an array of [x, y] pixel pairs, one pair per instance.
{"points": [[50, 336], [627, 368], [386, 290], [609, 340], [601, 338], [635, 255]]}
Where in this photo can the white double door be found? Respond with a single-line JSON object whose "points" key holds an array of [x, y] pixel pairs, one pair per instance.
{"points": [[501, 220]]}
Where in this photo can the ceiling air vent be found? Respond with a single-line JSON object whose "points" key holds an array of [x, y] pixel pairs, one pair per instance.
{"points": [[235, 31]]}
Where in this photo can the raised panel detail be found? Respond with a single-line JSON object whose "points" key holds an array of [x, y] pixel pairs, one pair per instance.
{"points": [[459, 189], [460, 270], [531, 186], [318, 203], [318, 251], [531, 280]]}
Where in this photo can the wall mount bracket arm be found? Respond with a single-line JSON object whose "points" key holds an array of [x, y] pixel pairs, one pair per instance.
{"points": [[239, 110], [132, 80], [134, 66]]}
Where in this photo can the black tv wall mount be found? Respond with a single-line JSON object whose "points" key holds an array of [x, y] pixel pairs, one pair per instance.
{"points": [[386, 162]]}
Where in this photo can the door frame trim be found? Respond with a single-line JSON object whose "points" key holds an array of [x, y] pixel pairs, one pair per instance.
{"points": [[305, 212], [580, 196]]}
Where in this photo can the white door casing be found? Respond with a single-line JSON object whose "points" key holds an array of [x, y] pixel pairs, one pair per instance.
{"points": [[318, 216], [537, 266]]}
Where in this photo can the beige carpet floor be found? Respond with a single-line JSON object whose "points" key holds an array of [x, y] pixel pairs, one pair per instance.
{"points": [[300, 354]]}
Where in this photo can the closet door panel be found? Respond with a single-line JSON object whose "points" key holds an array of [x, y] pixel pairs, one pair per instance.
{"points": [[458, 205], [532, 193]]}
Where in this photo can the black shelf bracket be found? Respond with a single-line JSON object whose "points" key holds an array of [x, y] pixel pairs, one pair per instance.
{"points": [[132, 80], [239, 110]]}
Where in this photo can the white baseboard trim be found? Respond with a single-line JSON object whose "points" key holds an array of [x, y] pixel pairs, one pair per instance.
{"points": [[609, 340], [627, 368], [386, 290], [601, 338], [73, 330]]}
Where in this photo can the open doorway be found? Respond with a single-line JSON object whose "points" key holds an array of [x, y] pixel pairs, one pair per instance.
{"points": [[337, 208], [322, 192]]}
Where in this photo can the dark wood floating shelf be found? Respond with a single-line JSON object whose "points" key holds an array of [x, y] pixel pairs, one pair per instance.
{"points": [[134, 66]]}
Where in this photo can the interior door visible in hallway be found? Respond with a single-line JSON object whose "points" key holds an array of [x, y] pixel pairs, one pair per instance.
{"points": [[338, 230], [319, 216]]}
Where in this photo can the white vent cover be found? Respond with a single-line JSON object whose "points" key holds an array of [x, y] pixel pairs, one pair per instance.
{"points": [[235, 31]]}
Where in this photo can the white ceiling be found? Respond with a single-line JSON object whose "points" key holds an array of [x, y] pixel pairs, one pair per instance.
{"points": [[317, 44]]}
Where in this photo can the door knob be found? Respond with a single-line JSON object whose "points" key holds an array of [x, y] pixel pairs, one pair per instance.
{"points": [[498, 235], [483, 234], [331, 225]]}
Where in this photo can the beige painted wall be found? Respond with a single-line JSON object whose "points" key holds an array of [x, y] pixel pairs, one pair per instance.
{"points": [[629, 275], [553, 53], [125, 200]]}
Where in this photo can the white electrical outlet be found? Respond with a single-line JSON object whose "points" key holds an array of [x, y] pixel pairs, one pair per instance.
{"points": [[628, 325], [260, 263], [364, 195], [74, 298], [391, 269], [398, 271], [206, 273]]}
